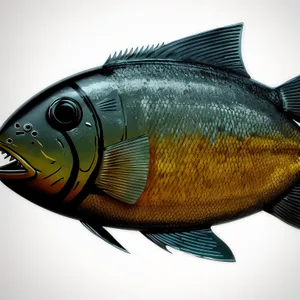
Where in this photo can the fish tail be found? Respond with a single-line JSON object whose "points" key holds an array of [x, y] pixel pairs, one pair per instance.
{"points": [[289, 93], [288, 207]]}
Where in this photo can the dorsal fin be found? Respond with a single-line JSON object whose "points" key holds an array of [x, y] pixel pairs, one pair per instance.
{"points": [[219, 48], [137, 54]]}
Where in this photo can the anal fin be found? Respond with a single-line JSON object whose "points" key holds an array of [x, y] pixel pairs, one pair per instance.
{"points": [[103, 234], [202, 243]]}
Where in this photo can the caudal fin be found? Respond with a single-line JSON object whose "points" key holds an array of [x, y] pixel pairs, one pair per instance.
{"points": [[288, 208], [289, 93]]}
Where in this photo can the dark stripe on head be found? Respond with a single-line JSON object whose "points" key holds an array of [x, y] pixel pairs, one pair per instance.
{"points": [[72, 205], [74, 172]]}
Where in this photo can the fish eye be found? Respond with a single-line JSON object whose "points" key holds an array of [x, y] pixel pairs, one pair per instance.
{"points": [[64, 114]]}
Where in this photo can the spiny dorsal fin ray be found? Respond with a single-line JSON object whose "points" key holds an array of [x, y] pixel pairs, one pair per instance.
{"points": [[219, 48], [137, 54], [202, 243], [103, 234]]}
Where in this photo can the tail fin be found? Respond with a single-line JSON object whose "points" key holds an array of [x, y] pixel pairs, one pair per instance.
{"points": [[288, 208], [289, 93]]}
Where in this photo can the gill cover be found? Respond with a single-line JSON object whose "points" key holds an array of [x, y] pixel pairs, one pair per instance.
{"points": [[126, 155]]}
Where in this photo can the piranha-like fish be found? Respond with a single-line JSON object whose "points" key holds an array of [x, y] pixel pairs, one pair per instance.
{"points": [[168, 140]]}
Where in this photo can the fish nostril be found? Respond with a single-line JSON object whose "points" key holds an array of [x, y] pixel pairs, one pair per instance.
{"points": [[34, 133], [27, 127], [9, 141], [17, 125], [20, 132]]}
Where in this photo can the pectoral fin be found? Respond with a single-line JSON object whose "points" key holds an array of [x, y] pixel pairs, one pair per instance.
{"points": [[202, 243], [103, 234], [124, 170]]}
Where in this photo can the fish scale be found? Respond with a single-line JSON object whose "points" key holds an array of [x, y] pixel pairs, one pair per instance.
{"points": [[168, 140]]}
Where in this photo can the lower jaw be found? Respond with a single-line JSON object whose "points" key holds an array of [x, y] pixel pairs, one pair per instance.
{"points": [[18, 169], [14, 176]]}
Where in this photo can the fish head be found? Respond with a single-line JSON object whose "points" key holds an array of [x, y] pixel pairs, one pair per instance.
{"points": [[51, 148]]}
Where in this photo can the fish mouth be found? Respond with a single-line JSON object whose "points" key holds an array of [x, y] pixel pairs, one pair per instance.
{"points": [[14, 167]]}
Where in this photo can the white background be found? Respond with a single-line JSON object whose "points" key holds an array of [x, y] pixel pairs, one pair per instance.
{"points": [[47, 256]]}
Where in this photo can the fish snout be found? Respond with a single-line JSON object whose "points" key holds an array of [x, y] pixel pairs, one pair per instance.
{"points": [[13, 165]]}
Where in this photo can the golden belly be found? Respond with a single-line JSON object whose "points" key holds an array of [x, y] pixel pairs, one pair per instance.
{"points": [[193, 182]]}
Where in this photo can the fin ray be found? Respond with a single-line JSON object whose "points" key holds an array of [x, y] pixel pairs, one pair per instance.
{"points": [[219, 48], [202, 243], [112, 116], [289, 93], [288, 209], [103, 234], [138, 53], [124, 169]]}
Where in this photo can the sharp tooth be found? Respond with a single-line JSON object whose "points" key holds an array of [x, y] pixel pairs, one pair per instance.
{"points": [[7, 155]]}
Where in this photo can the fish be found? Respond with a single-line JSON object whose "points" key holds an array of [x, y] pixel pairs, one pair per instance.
{"points": [[168, 140]]}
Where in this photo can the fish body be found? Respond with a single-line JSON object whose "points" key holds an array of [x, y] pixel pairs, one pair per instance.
{"points": [[169, 140], [219, 148]]}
